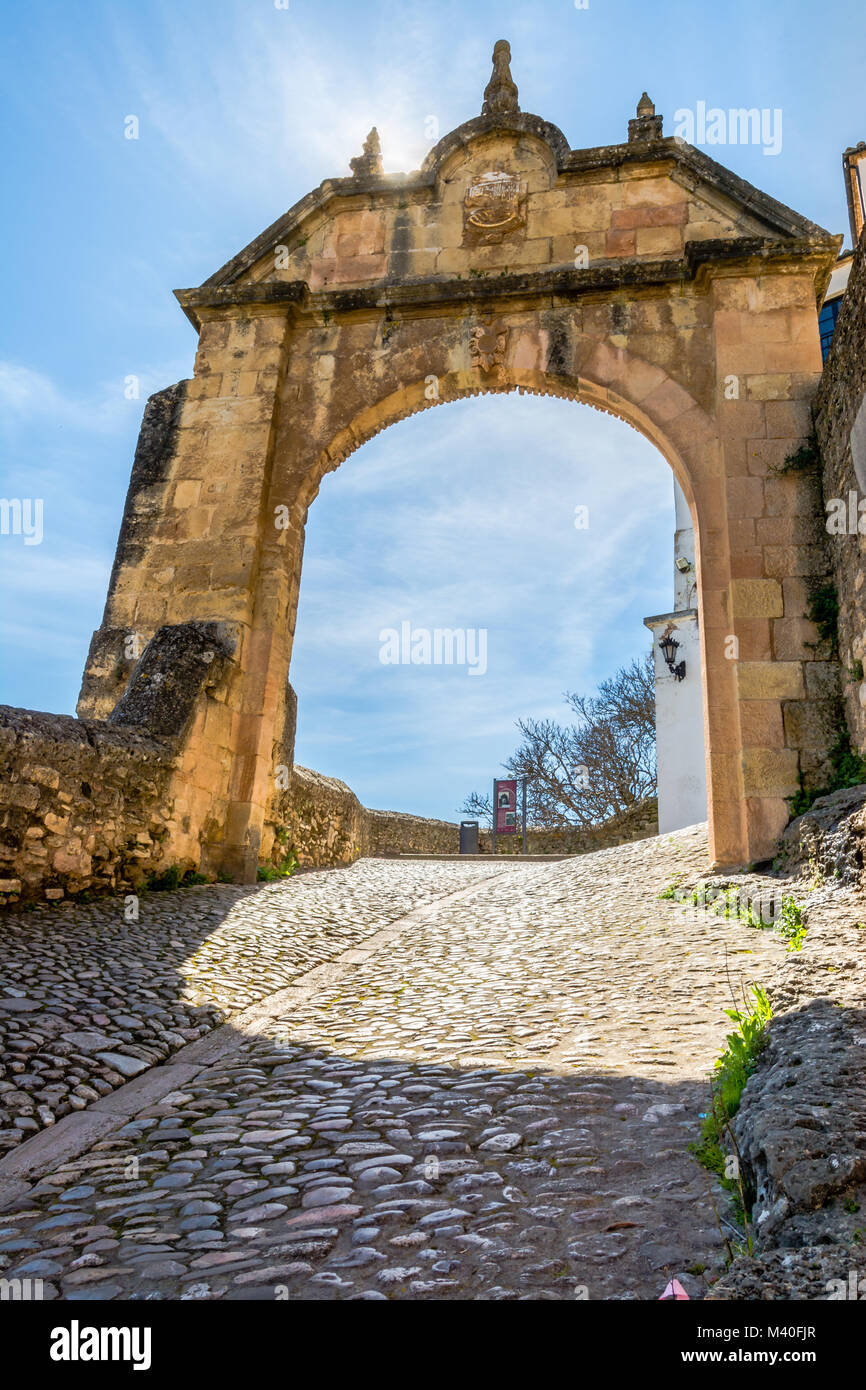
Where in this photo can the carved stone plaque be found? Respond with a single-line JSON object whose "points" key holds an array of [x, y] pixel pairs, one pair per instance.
{"points": [[493, 208], [487, 345]]}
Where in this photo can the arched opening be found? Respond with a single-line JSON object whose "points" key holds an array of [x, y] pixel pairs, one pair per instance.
{"points": [[542, 531]]}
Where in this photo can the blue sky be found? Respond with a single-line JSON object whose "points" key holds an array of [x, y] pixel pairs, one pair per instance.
{"points": [[243, 108], [464, 517]]}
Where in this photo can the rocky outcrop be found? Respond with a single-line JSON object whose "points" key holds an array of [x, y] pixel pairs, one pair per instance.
{"points": [[801, 1128], [829, 837], [801, 1125], [801, 1131], [817, 1274]]}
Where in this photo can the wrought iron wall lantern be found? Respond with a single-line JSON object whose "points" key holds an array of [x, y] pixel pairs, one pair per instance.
{"points": [[669, 646]]}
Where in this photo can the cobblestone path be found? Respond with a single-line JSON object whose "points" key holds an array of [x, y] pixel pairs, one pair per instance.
{"points": [[88, 1000], [471, 1080]]}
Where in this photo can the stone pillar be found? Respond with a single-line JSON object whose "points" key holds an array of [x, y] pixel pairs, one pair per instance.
{"points": [[195, 530], [768, 364]]}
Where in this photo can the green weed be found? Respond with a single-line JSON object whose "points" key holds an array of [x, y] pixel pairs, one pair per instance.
{"points": [[791, 925], [671, 891], [269, 873], [732, 1070], [172, 878]]}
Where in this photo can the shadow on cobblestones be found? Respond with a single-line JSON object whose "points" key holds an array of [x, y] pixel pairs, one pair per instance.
{"points": [[89, 1000], [468, 1081], [288, 1172]]}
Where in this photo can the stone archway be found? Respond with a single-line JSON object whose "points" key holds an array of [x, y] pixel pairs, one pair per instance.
{"points": [[641, 278]]}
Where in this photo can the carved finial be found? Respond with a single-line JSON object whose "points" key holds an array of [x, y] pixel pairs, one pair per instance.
{"points": [[370, 162], [500, 94], [646, 125]]}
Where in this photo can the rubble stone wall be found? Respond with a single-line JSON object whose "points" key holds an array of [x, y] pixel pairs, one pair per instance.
{"points": [[91, 805], [840, 424], [82, 805], [322, 821], [394, 832], [639, 823]]}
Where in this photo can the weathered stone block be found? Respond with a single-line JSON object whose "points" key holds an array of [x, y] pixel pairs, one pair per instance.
{"points": [[811, 724], [794, 639], [770, 772], [761, 724], [770, 680], [756, 598], [175, 666], [822, 680]]}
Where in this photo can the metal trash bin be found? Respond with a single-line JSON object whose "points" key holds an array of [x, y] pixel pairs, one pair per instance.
{"points": [[469, 837]]}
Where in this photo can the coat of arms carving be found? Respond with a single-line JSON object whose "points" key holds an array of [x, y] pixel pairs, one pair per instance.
{"points": [[493, 208], [487, 345]]}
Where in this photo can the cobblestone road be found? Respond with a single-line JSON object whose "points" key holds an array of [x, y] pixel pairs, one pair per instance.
{"points": [[475, 1080], [88, 1000]]}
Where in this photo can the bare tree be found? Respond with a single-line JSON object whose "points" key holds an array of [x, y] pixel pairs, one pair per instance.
{"points": [[479, 807], [583, 773]]}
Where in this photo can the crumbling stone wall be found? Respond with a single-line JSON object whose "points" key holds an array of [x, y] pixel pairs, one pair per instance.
{"points": [[98, 806], [92, 805], [323, 823], [83, 806], [320, 819], [840, 425], [115, 650]]}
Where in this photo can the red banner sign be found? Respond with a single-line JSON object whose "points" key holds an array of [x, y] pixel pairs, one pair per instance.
{"points": [[505, 806]]}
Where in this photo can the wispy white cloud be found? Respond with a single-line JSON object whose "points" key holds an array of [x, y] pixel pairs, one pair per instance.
{"points": [[280, 94], [27, 395], [72, 451], [39, 571]]}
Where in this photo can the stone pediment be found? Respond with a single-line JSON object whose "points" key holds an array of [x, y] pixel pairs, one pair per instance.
{"points": [[505, 194]]}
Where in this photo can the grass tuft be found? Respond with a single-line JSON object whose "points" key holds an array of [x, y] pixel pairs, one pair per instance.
{"points": [[732, 1070]]}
